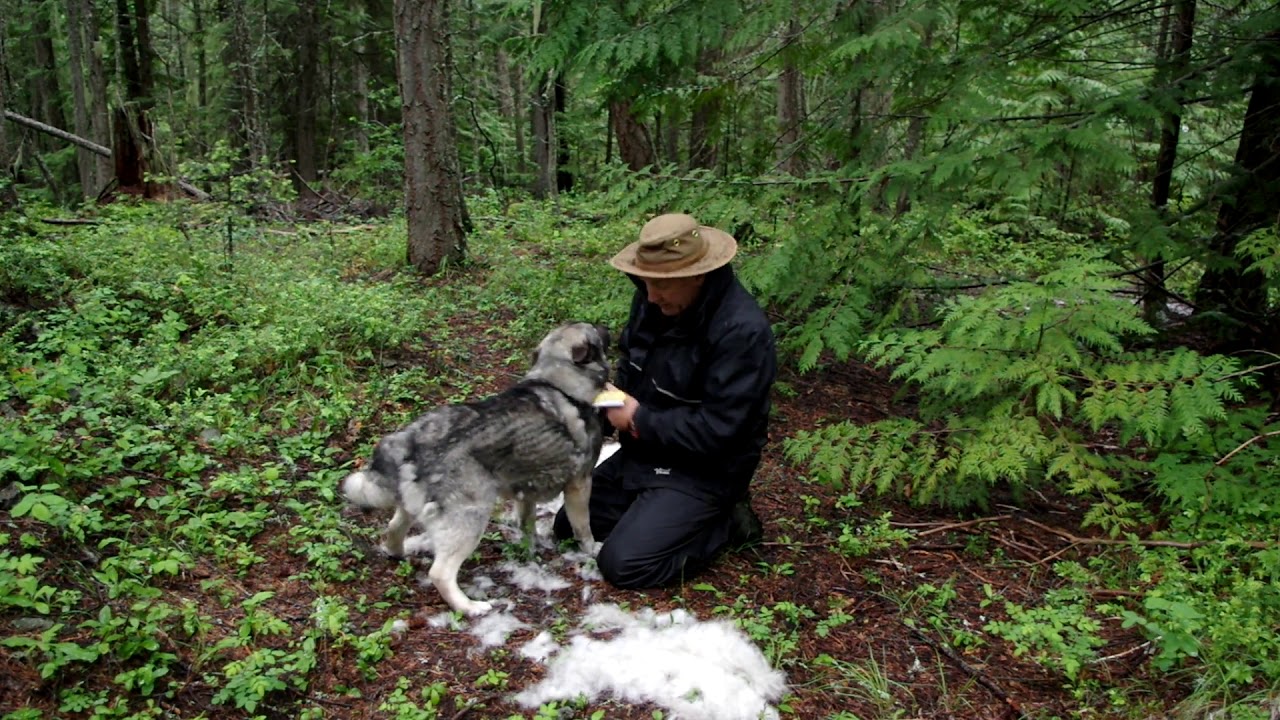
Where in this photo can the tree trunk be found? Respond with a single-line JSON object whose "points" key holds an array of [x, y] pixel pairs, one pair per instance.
{"points": [[243, 108], [564, 176], [146, 55], [1227, 286], [89, 92], [789, 87], [360, 85], [1154, 296], [507, 103], [436, 214], [671, 140], [634, 145], [8, 149], [45, 95], [77, 62], [306, 94], [704, 125], [127, 44], [99, 112], [202, 60], [544, 130]]}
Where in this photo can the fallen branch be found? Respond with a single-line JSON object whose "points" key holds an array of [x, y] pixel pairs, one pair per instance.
{"points": [[1246, 444], [89, 145], [1075, 539], [960, 525], [70, 221], [981, 679]]}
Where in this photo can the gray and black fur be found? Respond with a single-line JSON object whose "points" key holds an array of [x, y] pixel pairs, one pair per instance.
{"points": [[528, 443]]}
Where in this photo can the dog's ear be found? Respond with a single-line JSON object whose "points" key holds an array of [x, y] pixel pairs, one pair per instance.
{"points": [[533, 357]]}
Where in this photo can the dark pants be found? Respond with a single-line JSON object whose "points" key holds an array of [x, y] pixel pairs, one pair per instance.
{"points": [[652, 537]]}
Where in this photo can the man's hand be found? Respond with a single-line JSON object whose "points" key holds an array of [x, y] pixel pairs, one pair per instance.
{"points": [[623, 419]]}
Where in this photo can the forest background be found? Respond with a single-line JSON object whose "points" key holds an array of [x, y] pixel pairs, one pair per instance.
{"points": [[242, 239]]}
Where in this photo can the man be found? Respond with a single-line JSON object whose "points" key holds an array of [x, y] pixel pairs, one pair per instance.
{"points": [[697, 363]]}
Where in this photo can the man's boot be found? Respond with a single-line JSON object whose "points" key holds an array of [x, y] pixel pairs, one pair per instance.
{"points": [[745, 528]]}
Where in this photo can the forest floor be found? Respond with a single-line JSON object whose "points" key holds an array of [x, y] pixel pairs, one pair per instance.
{"points": [[904, 653], [913, 645]]}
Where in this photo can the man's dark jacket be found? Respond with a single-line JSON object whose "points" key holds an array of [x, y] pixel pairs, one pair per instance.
{"points": [[703, 380]]}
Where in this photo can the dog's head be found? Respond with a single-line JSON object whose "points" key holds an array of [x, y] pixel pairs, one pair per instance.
{"points": [[574, 357]]}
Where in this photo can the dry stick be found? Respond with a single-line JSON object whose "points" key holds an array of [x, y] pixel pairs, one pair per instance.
{"points": [[89, 145], [1255, 544], [70, 221], [957, 526], [982, 680], [1246, 444], [1117, 656]]}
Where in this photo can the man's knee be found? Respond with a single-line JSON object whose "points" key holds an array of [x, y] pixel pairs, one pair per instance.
{"points": [[622, 568]]}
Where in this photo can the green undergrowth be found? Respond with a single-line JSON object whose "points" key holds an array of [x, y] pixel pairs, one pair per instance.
{"points": [[184, 387]]}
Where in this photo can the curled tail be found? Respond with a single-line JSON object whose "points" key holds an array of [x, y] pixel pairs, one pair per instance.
{"points": [[369, 489]]}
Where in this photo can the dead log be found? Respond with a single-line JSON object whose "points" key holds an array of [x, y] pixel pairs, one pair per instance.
{"points": [[89, 145]]}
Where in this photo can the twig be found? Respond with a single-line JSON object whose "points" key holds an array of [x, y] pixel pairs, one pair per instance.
{"points": [[1255, 544], [982, 680], [70, 221], [1117, 656], [962, 525], [1246, 444]]}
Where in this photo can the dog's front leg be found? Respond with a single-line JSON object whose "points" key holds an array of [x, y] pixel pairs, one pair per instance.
{"points": [[527, 516], [577, 506]]}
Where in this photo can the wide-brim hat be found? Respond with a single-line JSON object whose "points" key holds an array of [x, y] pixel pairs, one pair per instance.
{"points": [[676, 245]]}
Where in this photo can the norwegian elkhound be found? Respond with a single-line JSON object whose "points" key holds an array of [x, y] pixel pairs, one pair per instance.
{"points": [[528, 443]]}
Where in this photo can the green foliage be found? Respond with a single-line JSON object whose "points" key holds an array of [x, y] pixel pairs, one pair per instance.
{"points": [[1061, 634], [1008, 385]]}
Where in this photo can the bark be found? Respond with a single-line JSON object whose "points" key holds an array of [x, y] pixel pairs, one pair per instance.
{"points": [[564, 176], [704, 125], [99, 114], [243, 108], [127, 43], [8, 150], [45, 94], [507, 104], [671, 140], [130, 150], [306, 95], [634, 146], [1154, 296], [789, 108], [544, 131], [360, 85], [202, 60], [77, 61], [1227, 286], [436, 214], [146, 55]]}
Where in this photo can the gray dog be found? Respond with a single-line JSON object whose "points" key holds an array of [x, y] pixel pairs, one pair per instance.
{"points": [[528, 443]]}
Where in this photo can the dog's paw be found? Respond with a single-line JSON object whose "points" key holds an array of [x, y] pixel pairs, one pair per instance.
{"points": [[591, 548], [476, 608]]}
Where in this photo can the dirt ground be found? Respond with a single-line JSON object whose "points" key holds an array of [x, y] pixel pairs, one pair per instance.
{"points": [[1002, 552]]}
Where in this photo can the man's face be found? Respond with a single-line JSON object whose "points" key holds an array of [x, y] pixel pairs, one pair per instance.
{"points": [[673, 295]]}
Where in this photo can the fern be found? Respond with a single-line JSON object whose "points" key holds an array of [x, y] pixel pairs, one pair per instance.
{"points": [[1013, 386]]}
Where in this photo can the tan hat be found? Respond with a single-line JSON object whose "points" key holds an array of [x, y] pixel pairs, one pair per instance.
{"points": [[675, 245]]}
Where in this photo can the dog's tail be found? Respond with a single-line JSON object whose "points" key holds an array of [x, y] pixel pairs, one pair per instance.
{"points": [[369, 489]]}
